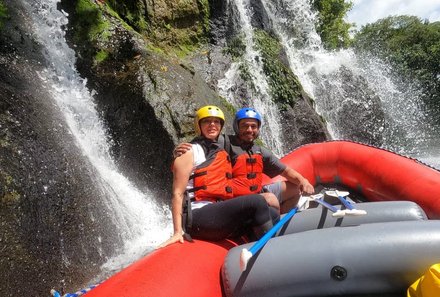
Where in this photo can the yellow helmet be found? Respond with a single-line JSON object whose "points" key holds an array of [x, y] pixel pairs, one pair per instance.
{"points": [[205, 112]]}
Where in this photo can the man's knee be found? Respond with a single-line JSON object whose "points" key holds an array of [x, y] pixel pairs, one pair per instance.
{"points": [[271, 199], [289, 191]]}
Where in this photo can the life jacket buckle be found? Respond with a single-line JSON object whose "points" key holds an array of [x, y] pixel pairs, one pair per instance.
{"points": [[251, 175], [251, 160]]}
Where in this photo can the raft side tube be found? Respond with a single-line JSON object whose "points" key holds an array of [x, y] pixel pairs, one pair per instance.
{"points": [[170, 271], [374, 258], [375, 173], [386, 211]]}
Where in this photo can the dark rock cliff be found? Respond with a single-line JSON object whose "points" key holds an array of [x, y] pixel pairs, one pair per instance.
{"points": [[46, 188]]}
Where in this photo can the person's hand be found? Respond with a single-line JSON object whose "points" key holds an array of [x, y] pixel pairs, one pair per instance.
{"points": [[181, 149], [177, 237], [307, 187]]}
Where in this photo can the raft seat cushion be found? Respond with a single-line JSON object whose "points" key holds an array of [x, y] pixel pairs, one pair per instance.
{"points": [[384, 211]]}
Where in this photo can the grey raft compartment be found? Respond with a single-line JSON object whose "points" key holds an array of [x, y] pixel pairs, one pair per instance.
{"points": [[370, 258]]}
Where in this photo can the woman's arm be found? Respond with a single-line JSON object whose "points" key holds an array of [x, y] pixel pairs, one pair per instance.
{"points": [[182, 169]]}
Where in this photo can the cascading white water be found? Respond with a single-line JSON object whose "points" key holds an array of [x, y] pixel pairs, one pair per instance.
{"points": [[142, 223], [407, 129], [261, 99]]}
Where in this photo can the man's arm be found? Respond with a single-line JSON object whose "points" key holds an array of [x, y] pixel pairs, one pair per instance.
{"points": [[296, 178], [181, 148]]}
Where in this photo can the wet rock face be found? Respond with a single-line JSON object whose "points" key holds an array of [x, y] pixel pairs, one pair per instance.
{"points": [[148, 99], [47, 189], [357, 117]]}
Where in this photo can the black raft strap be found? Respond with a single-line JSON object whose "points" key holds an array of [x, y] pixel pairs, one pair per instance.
{"points": [[187, 217]]}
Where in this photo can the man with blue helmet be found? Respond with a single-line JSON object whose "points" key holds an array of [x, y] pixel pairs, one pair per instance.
{"points": [[250, 161]]}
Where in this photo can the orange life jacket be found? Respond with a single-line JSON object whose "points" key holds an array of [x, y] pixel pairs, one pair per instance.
{"points": [[212, 178], [247, 174]]}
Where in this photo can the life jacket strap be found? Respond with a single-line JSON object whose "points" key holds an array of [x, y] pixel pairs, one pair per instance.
{"points": [[201, 173], [196, 189]]}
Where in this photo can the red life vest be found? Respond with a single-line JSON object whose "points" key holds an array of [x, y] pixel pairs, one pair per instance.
{"points": [[247, 174], [212, 178]]}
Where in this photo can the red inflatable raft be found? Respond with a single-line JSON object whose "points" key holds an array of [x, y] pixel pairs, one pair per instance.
{"points": [[194, 269]]}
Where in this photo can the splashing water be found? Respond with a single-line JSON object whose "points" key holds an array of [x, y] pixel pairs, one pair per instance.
{"points": [[344, 85], [141, 222], [261, 99]]}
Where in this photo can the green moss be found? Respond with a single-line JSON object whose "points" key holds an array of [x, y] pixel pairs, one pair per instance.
{"points": [[101, 56], [167, 26], [229, 107], [3, 14], [259, 142], [184, 50], [183, 8], [205, 13], [284, 85], [166, 36], [91, 25], [10, 195], [142, 24], [4, 142], [245, 74], [236, 47], [109, 9], [157, 50], [128, 12]]}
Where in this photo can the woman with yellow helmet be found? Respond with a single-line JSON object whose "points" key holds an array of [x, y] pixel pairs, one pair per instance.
{"points": [[202, 178]]}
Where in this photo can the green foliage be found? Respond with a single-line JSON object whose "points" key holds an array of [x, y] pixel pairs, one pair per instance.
{"points": [[284, 86], [411, 45], [3, 14], [332, 28]]}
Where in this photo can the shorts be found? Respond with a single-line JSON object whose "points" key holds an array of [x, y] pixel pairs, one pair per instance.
{"points": [[274, 188]]}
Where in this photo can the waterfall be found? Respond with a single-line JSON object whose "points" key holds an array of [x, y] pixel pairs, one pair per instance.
{"points": [[353, 92], [140, 220], [260, 96]]}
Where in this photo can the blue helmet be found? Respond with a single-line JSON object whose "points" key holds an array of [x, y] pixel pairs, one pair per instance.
{"points": [[246, 113]]}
